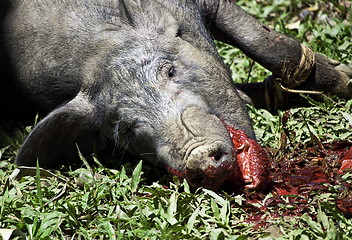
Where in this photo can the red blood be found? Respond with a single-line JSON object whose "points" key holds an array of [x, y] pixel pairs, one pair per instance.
{"points": [[348, 154], [283, 192], [295, 173], [211, 178], [174, 172], [251, 158], [345, 205], [346, 162]]}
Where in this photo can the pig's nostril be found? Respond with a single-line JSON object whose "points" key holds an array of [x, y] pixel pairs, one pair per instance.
{"points": [[218, 155], [206, 155]]}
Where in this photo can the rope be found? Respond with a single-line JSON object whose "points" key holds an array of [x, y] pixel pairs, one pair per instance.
{"points": [[289, 90], [296, 76], [274, 93]]}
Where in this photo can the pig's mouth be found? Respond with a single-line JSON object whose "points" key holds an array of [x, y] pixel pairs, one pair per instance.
{"points": [[211, 178], [247, 168]]}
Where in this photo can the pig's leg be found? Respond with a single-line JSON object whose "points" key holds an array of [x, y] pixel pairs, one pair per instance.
{"points": [[264, 95], [296, 66]]}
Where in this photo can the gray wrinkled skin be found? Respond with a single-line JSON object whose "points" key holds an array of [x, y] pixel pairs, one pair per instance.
{"points": [[145, 74]]}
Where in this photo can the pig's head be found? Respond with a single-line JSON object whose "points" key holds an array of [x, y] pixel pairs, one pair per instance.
{"points": [[160, 91]]}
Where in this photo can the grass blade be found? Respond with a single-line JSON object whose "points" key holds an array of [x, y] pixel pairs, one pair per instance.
{"points": [[136, 177]]}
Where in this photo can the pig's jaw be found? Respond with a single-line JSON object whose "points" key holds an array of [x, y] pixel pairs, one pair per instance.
{"points": [[211, 178]]}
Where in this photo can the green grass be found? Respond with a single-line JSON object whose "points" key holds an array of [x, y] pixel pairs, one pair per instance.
{"points": [[122, 204]]}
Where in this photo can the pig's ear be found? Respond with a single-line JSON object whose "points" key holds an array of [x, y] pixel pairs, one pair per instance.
{"points": [[54, 139]]}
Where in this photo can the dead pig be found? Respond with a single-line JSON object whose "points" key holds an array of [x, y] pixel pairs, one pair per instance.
{"points": [[146, 75]]}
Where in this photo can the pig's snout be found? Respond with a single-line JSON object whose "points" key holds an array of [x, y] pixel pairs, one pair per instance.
{"points": [[209, 165], [213, 154], [204, 147]]}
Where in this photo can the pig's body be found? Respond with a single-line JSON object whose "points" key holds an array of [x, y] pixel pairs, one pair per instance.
{"points": [[145, 74]]}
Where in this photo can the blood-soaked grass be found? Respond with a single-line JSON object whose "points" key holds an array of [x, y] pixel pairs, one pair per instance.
{"points": [[297, 177]]}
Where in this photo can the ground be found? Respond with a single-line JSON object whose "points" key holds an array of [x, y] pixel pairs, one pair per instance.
{"points": [[308, 197]]}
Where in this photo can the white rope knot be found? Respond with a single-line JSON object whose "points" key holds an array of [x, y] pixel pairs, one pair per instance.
{"points": [[297, 75], [291, 78]]}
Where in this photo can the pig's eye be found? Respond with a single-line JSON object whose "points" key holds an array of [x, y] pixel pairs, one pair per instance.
{"points": [[172, 72], [167, 70], [178, 34]]}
